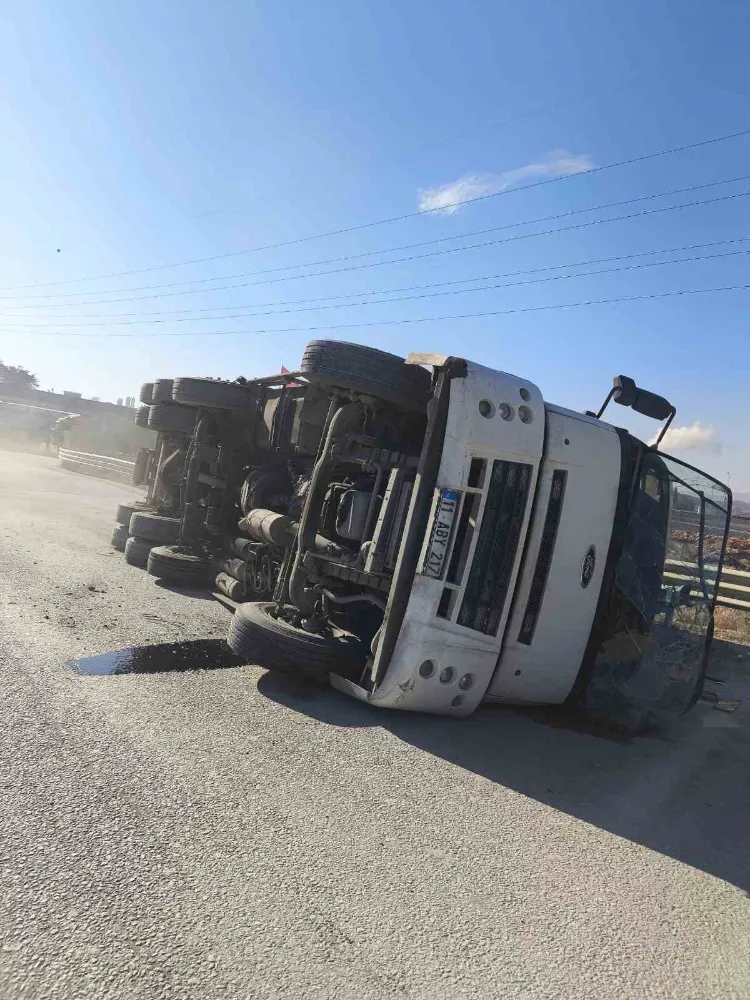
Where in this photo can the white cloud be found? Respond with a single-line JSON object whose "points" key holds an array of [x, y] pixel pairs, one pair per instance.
{"points": [[447, 198], [694, 437]]}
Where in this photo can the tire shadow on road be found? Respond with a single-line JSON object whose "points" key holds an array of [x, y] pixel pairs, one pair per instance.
{"points": [[316, 699], [680, 791], [174, 588]]}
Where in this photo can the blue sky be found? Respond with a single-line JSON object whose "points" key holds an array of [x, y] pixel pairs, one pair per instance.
{"points": [[136, 138]]}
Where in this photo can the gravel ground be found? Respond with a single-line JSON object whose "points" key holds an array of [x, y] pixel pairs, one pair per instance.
{"points": [[225, 834]]}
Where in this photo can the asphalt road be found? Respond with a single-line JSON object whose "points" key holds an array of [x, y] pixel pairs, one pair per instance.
{"points": [[223, 833]]}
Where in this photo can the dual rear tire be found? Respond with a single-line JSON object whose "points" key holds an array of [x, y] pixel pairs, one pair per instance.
{"points": [[179, 565], [126, 510], [154, 527], [120, 535], [213, 394], [137, 551], [337, 364], [171, 419]]}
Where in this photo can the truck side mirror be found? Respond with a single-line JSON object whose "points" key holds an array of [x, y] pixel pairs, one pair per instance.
{"points": [[625, 392], [651, 405]]}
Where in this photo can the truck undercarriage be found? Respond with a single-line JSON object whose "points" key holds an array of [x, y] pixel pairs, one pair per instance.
{"points": [[430, 534]]}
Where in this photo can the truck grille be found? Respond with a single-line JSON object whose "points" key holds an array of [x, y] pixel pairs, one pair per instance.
{"points": [[497, 545], [544, 559]]}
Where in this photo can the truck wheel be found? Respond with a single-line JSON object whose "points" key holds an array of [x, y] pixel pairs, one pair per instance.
{"points": [[141, 416], [137, 551], [260, 637], [162, 391], [146, 395], [126, 510], [180, 565], [336, 363], [214, 395], [120, 535], [155, 527], [170, 418]]}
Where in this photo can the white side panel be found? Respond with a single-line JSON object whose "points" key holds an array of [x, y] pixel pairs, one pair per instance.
{"points": [[423, 635], [545, 670]]}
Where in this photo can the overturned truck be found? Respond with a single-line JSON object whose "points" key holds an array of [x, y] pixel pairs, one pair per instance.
{"points": [[427, 534]]}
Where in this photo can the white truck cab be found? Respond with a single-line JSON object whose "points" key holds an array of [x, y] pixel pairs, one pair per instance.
{"points": [[531, 509], [435, 534]]}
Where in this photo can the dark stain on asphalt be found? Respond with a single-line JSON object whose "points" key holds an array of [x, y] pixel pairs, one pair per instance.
{"points": [[196, 654]]}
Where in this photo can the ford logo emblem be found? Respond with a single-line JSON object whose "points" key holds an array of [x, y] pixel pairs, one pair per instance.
{"points": [[588, 566]]}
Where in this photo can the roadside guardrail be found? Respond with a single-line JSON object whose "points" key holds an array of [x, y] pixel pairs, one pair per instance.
{"points": [[97, 465], [734, 584]]}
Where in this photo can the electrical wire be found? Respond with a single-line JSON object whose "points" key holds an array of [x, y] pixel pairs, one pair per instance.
{"points": [[424, 256], [629, 161], [411, 320], [374, 253], [402, 288], [401, 298]]}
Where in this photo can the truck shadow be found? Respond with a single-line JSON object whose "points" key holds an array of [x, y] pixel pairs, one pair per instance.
{"points": [[682, 792], [176, 588]]}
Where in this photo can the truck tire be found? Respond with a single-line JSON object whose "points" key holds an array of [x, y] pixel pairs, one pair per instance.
{"points": [[155, 527], [120, 535], [179, 565], [259, 637], [126, 510], [213, 394], [137, 551], [141, 416], [146, 395], [336, 363], [170, 418], [162, 391]]}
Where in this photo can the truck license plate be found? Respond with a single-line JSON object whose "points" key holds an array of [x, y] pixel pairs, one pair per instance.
{"points": [[440, 534]]}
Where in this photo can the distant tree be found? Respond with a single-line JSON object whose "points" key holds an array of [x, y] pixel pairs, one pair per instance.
{"points": [[15, 377], [119, 400]]}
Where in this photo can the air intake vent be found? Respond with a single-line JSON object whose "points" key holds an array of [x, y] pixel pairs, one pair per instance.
{"points": [[496, 548], [544, 559]]}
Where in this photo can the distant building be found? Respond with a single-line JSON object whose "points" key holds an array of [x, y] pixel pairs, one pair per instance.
{"points": [[67, 401]]}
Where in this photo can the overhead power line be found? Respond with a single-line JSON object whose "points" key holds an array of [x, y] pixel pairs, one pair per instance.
{"points": [[412, 257], [375, 253], [378, 302], [542, 182], [400, 288], [410, 320]]}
